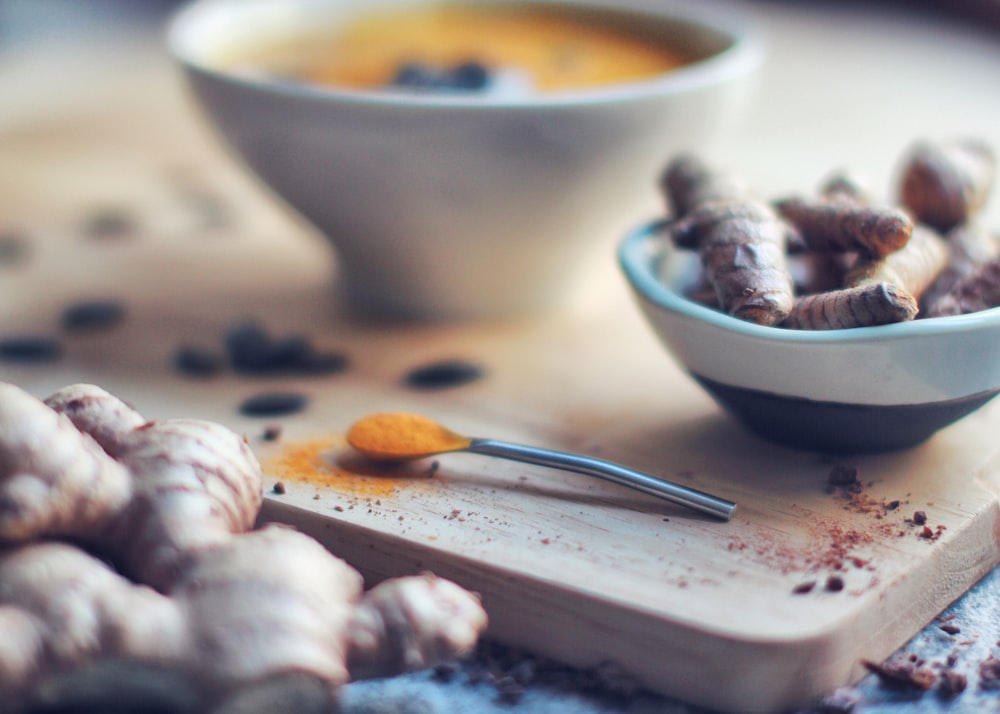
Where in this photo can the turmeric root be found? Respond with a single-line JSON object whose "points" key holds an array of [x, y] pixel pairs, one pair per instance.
{"points": [[843, 225], [197, 598], [944, 184], [877, 292], [741, 242], [687, 182], [843, 185], [912, 268], [861, 306], [969, 247], [979, 290], [840, 261]]}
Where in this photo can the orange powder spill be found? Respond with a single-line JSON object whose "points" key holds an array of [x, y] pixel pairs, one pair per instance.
{"points": [[313, 461]]}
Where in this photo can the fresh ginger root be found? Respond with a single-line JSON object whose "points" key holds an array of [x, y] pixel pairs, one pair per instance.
{"points": [[202, 601], [741, 241], [943, 184]]}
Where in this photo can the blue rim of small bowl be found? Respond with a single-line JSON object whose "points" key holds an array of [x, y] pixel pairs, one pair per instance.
{"points": [[641, 249], [741, 58]]}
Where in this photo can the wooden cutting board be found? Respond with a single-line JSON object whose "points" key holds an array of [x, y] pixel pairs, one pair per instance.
{"points": [[758, 614]]}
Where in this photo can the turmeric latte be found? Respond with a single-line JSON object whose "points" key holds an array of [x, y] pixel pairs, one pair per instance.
{"points": [[556, 47]]}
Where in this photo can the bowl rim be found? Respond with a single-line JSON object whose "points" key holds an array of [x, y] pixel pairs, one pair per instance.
{"points": [[745, 54], [642, 248]]}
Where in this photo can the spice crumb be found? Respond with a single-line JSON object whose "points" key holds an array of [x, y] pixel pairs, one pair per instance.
{"points": [[272, 432], [951, 683], [834, 584], [901, 675]]}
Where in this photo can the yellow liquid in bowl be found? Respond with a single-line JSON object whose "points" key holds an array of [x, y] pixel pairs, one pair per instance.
{"points": [[558, 48]]}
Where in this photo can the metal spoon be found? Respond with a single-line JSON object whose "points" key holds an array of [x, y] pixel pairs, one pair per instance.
{"points": [[402, 436]]}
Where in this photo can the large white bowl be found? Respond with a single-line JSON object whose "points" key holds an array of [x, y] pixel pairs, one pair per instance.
{"points": [[463, 206], [868, 389]]}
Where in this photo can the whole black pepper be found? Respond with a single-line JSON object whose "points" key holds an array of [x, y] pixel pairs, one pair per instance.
{"points": [[13, 248], [253, 351], [30, 349], [198, 362], [109, 224], [443, 375], [92, 315], [269, 404]]}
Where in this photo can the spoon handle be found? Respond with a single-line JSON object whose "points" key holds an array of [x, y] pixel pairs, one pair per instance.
{"points": [[675, 493]]}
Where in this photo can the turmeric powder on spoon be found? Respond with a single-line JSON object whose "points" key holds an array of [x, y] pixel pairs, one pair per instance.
{"points": [[397, 436]]}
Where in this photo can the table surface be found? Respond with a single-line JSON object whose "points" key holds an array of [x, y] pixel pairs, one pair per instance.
{"points": [[844, 86]]}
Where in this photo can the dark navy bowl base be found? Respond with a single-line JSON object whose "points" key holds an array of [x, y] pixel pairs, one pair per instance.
{"points": [[838, 428]]}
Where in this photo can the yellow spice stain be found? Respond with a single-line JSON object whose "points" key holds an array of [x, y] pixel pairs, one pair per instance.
{"points": [[328, 462]]}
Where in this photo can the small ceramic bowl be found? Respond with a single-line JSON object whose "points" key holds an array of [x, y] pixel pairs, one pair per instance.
{"points": [[863, 390], [459, 205]]}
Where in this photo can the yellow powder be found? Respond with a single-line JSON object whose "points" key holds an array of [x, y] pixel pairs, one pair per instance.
{"points": [[310, 462], [400, 435]]}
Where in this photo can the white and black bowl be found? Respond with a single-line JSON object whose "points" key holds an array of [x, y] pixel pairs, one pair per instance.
{"points": [[862, 390]]}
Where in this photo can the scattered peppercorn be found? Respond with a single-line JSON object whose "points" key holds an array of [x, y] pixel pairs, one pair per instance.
{"points": [[919, 518], [30, 348], [109, 224], [92, 315], [279, 488], [197, 362], [268, 404], [252, 350], [13, 248], [834, 584], [804, 588], [468, 76], [272, 432], [443, 375]]}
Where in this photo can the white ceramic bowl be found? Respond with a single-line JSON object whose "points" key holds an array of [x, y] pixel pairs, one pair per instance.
{"points": [[869, 389], [463, 206]]}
